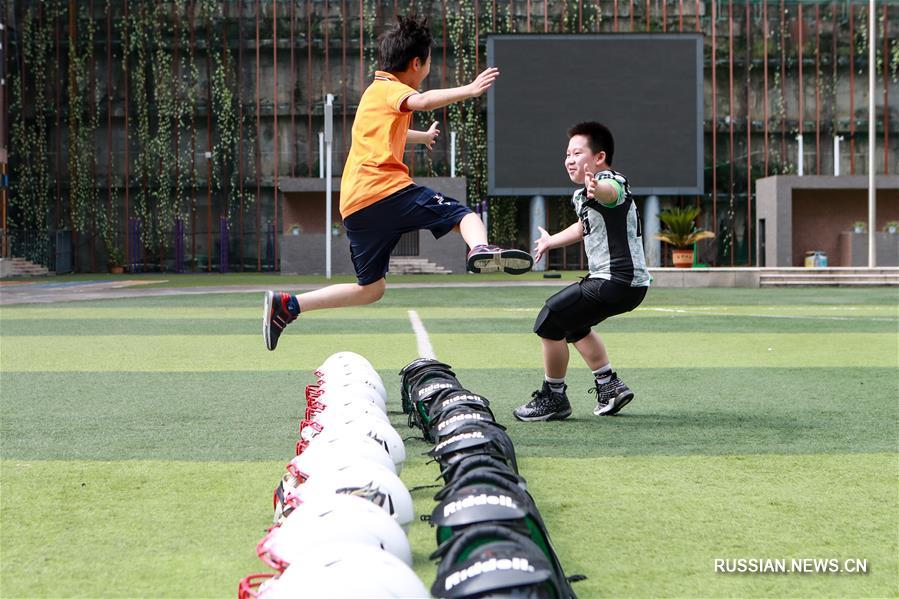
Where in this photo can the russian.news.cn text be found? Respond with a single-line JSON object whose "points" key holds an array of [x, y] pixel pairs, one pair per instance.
{"points": [[796, 565]]}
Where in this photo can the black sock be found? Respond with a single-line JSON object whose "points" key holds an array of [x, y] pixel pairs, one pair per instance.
{"points": [[293, 306]]}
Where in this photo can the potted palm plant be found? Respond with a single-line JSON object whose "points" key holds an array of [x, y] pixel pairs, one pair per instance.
{"points": [[115, 260], [681, 232]]}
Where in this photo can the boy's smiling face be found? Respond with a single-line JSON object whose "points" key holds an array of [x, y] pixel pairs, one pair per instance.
{"points": [[580, 159]]}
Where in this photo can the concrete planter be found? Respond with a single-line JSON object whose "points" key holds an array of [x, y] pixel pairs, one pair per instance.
{"points": [[682, 258]]}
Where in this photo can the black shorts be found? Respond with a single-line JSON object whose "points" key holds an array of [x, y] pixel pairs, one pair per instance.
{"points": [[570, 313], [375, 230]]}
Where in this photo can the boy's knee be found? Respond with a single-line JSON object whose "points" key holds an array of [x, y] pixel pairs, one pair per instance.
{"points": [[374, 291]]}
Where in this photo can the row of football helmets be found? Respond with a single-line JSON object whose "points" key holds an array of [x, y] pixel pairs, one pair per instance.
{"points": [[491, 538], [342, 490]]}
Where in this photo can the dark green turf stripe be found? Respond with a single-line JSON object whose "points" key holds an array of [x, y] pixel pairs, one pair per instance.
{"points": [[249, 416], [632, 323]]}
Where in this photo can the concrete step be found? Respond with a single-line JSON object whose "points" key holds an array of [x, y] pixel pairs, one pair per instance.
{"points": [[411, 265], [861, 278], [20, 267]]}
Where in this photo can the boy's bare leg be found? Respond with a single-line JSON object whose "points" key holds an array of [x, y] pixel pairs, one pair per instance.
{"points": [[341, 295], [593, 351], [555, 357], [473, 230], [280, 309]]}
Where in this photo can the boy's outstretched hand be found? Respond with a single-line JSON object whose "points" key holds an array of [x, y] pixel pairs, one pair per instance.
{"points": [[431, 135], [483, 82], [541, 245], [590, 185]]}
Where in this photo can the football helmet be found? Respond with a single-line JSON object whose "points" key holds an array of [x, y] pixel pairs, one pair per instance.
{"points": [[348, 571], [454, 417], [361, 424], [369, 481], [328, 519], [495, 561], [475, 438], [337, 449], [413, 372], [343, 402]]}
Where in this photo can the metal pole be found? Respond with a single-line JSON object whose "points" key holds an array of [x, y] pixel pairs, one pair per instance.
{"points": [[872, 134], [800, 170], [538, 219], [836, 154], [329, 140], [651, 246], [452, 153], [321, 154]]}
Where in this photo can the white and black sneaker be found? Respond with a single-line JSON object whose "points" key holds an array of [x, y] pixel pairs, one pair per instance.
{"points": [[492, 258], [545, 404], [611, 396]]}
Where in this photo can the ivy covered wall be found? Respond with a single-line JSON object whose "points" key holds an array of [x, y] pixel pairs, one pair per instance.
{"points": [[155, 133]]}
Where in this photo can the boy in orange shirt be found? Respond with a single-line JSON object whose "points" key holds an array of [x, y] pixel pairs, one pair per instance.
{"points": [[378, 199]]}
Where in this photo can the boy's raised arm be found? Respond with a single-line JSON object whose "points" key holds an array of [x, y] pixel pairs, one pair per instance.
{"points": [[438, 98], [546, 242]]}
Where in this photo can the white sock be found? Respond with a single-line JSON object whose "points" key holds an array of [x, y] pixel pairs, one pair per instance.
{"points": [[603, 374], [557, 385]]}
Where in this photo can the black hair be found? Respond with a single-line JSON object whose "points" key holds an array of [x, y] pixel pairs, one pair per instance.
{"points": [[406, 39], [598, 137]]}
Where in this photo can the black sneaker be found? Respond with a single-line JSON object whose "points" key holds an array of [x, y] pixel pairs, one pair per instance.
{"points": [[611, 396], [545, 405], [275, 316], [492, 258]]}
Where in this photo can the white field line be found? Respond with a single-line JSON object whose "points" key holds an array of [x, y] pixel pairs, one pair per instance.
{"points": [[789, 316], [421, 335]]}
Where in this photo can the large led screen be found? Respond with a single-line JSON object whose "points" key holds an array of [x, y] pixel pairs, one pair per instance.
{"points": [[647, 88]]}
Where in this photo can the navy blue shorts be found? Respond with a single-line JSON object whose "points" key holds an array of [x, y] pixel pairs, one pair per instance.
{"points": [[375, 230]]}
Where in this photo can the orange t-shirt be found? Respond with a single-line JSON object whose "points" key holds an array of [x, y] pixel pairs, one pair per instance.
{"points": [[374, 167]]}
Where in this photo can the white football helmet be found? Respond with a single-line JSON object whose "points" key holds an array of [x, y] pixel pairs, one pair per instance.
{"points": [[337, 450], [369, 481], [329, 519], [345, 358], [345, 402], [361, 424], [349, 388], [346, 571], [343, 366]]}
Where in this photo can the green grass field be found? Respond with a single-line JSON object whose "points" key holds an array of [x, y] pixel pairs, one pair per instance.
{"points": [[141, 438]]}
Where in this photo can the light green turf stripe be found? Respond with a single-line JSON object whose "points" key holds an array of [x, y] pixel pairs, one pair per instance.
{"points": [[247, 352], [193, 313], [378, 311], [184, 353], [653, 527], [636, 526]]}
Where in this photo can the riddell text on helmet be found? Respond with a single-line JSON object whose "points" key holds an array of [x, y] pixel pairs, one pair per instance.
{"points": [[515, 563], [460, 437], [476, 500], [425, 391], [465, 416]]}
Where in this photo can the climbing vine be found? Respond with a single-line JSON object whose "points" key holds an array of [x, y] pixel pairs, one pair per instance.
{"points": [[30, 110], [84, 120]]}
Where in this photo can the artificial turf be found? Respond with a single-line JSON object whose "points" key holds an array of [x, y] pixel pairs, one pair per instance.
{"points": [[140, 438]]}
